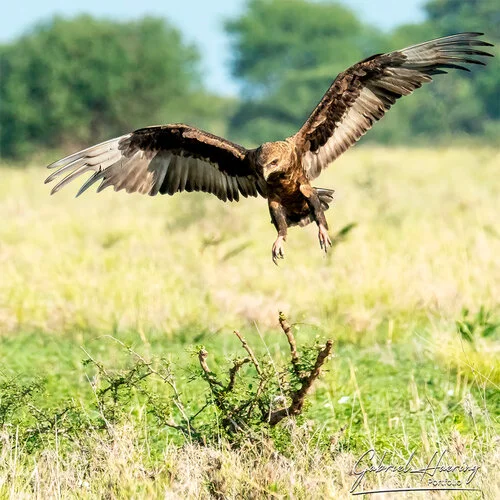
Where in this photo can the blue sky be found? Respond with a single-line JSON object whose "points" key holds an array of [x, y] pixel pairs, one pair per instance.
{"points": [[200, 21]]}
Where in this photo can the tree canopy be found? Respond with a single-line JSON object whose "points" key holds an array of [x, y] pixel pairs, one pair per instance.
{"points": [[83, 79], [73, 82], [287, 52]]}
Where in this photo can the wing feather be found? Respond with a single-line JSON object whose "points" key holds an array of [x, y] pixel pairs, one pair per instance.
{"points": [[183, 178], [361, 95], [163, 159]]}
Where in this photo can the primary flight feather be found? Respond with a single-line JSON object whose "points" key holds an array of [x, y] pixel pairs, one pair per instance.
{"points": [[167, 159]]}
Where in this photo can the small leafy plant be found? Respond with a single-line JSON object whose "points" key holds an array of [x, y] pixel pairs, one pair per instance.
{"points": [[481, 324], [273, 393], [242, 403]]}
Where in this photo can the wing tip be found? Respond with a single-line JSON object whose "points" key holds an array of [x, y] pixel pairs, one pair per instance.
{"points": [[474, 34], [51, 177], [82, 190]]}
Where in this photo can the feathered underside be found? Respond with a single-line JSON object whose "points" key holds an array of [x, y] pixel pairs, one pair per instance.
{"points": [[164, 159], [362, 94]]}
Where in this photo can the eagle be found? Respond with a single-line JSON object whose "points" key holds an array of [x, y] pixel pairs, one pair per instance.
{"points": [[167, 159]]}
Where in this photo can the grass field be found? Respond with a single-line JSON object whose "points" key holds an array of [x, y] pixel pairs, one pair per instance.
{"points": [[411, 298]]}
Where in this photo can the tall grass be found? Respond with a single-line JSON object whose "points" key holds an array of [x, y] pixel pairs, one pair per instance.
{"points": [[426, 241], [166, 273]]}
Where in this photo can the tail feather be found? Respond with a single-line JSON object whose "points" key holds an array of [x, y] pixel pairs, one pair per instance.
{"points": [[325, 197]]}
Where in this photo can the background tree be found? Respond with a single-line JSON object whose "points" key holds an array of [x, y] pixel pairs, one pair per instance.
{"points": [[83, 80], [474, 15], [286, 54], [70, 83], [461, 105]]}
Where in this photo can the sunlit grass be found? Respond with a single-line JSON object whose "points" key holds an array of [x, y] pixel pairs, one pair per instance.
{"points": [[426, 242], [166, 273]]}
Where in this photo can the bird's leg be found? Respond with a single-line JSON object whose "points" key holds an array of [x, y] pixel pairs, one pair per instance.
{"points": [[319, 215], [324, 237], [278, 218]]}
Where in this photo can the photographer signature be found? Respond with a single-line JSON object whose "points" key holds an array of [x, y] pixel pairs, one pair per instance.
{"points": [[434, 476]]}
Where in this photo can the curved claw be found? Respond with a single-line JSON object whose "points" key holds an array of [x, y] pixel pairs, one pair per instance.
{"points": [[278, 249], [324, 238]]}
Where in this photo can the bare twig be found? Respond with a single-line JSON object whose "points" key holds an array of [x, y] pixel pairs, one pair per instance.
{"points": [[287, 330], [298, 397], [262, 378], [202, 357], [211, 377], [95, 362], [238, 363], [167, 378], [250, 352], [201, 410]]}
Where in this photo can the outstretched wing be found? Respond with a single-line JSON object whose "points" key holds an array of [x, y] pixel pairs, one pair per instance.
{"points": [[363, 93], [164, 159]]}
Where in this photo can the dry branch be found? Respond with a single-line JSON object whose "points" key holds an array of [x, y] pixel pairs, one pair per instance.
{"points": [[237, 413], [298, 397], [250, 352], [262, 378], [210, 375], [287, 330], [202, 357], [238, 363]]}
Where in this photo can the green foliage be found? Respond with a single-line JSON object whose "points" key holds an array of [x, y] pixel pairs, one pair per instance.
{"points": [[82, 80], [287, 54], [23, 414], [14, 395], [238, 407], [481, 324]]}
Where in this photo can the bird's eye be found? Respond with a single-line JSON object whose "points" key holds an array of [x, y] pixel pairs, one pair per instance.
{"points": [[274, 163]]}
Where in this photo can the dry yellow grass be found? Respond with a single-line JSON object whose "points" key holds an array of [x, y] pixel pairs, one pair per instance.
{"points": [[427, 240], [119, 470], [427, 244]]}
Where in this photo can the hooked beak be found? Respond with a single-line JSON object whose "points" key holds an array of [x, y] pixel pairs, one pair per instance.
{"points": [[267, 172]]}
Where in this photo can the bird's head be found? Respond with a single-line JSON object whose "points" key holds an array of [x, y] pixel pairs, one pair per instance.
{"points": [[274, 158]]}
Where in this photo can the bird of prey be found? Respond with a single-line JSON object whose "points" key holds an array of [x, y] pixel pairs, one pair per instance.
{"points": [[167, 159]]}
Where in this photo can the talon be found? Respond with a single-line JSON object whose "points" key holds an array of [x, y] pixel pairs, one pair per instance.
{"points": [[278, 249], [324, 238]]}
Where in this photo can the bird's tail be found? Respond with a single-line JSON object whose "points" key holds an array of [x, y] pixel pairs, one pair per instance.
{"points": [[325, 197]]}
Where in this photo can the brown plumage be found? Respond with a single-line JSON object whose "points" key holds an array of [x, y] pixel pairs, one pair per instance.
{"points": [[167, 159]]}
